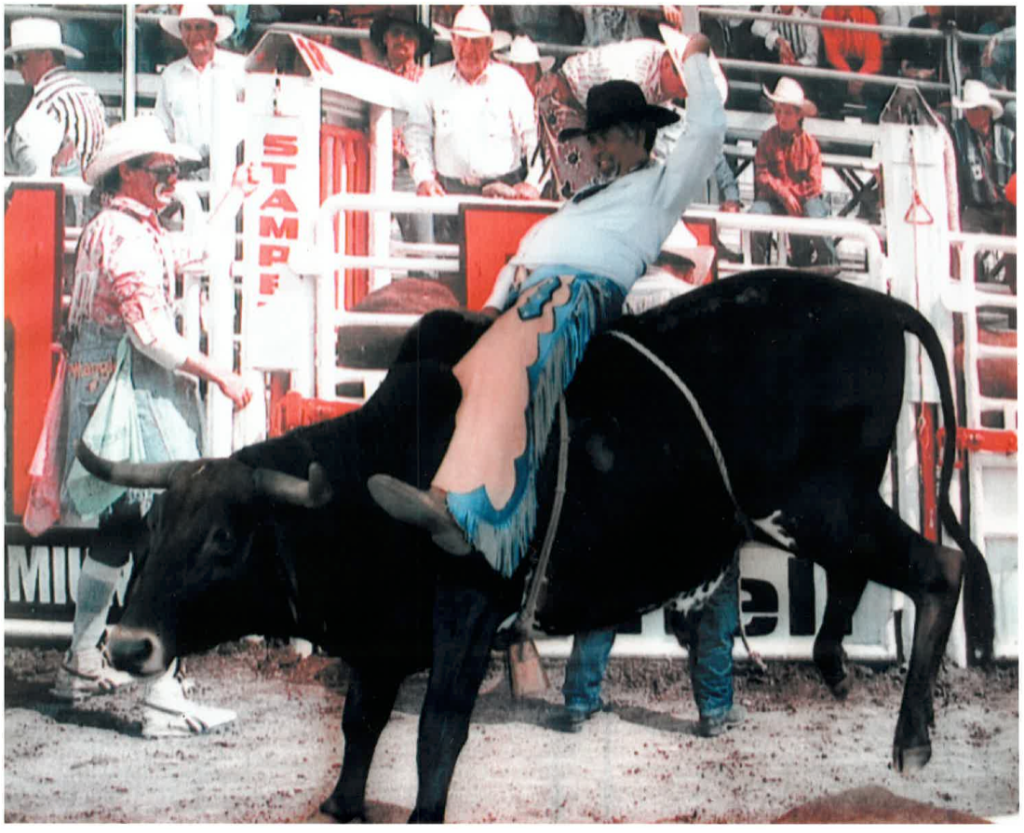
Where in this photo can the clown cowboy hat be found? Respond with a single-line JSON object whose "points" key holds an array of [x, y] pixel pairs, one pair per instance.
{"points": [[976, 94], [676, 42], [197, 11], [38, 33], [615, 102], [131, 139], [788, 91], [471, 22], [524, 51]]}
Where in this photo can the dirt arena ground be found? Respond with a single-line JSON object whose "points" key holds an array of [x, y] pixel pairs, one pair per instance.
{"points": [[640, 762]]}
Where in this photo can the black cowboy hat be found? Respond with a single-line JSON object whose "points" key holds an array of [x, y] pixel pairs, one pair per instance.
{"points": [[615, 102], [382, 22]]}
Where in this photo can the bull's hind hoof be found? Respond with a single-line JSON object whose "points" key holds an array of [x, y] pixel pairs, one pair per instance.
{"points": [[912, 759], [840, 688], [339, 812]]}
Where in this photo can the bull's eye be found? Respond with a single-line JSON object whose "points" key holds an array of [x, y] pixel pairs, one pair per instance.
{"points": [[222, 540]]}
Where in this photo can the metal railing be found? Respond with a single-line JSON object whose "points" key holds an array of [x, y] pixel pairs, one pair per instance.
{"points": [[992, 470], [323, 261], [953, 36]]}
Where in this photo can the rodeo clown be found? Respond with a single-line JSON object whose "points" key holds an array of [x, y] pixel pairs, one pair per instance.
{"points": [[568, 280], [131, 391]]}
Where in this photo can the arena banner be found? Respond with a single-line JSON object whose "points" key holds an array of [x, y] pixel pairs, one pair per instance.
{"points": [[41, 574], [782, 601], [278, 221]]}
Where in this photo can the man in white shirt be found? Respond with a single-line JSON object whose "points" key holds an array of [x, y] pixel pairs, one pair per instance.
{"points": [[204, 85], [568, 280], [472, 128]]}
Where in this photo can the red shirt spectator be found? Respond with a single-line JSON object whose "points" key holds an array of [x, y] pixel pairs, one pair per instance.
{"points": [[787, 163], [849, 50]]}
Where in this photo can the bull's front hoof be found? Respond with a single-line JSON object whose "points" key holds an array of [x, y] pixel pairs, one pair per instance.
{"points": [[840, 688], [339, 812], [912, 759]]}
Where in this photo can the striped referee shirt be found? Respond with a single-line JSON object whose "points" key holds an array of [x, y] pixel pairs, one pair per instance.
{"points": [[802, 38], [59, 132]]}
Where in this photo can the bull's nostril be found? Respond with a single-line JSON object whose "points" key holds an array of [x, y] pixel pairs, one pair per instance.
{"points": [[132, 652]]}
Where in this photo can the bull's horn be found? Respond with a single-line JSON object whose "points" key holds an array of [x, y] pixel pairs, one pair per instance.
{"points": [[312, 493], [134, 475]]}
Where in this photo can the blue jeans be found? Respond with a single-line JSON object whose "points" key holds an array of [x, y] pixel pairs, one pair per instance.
{"points": [[585, 670], [710, 656], [802, 246]]}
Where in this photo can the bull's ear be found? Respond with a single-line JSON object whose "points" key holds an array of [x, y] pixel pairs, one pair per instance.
{"points": [[312, 493]]}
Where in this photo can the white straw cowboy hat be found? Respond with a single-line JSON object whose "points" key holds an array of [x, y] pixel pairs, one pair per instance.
{"points": [[38, 33], [471, 22], [976, 94], [788, 91], [198, 11], [676, 42], [524, 51], [130, 139]]}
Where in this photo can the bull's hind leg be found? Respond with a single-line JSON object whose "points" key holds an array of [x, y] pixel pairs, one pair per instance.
{"points": [[368, 705], [845, 587], [930, 575]]}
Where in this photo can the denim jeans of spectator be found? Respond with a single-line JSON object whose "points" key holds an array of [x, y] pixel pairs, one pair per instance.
{"points": [[585, 670], [710, 654], [802, 247]]}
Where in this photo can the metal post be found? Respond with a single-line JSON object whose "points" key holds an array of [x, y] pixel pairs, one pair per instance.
{"points": [[128, 43]]}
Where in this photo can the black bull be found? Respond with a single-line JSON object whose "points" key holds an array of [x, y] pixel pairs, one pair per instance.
{"points": [[801, 381]]}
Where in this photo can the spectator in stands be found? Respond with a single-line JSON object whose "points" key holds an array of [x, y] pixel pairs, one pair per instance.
{"points": [[709, 651], [403, 41], [547, 24], [851, 50], [787, 176], [121, 331], [731, 36], [603, 25], [894, 16], [62, 127], [794, 43], [524, 58], [986, 154], [653, 66], [206, 81], [473, 129], [920, 58], [999, 69]]}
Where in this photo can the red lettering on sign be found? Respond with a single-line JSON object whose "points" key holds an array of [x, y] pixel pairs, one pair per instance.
{"points": [[269, 254], [279, 171], [280, 199], [315, 56], [288, 227], [277, 145], [268, 283]]}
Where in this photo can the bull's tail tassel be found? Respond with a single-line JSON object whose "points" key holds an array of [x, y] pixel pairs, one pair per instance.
{"points": [[504, 535]]}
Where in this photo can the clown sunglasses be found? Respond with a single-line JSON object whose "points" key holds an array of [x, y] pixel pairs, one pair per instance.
{"points": [[163, 173]]}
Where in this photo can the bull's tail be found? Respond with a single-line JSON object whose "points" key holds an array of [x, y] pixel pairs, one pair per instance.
{"points": [[979, 607]]}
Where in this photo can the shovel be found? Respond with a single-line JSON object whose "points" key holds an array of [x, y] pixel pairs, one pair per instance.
{"points": [[525, 670]]}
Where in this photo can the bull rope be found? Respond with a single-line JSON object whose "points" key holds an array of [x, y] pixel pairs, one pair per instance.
{"points": [[741, 517], [527, 619]]}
